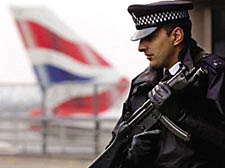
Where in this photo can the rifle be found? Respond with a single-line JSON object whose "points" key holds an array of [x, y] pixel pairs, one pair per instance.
{"points": [[144, 118]]}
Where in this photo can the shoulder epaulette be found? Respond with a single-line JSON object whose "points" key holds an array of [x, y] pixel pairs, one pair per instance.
{"points": [[215, 61]]}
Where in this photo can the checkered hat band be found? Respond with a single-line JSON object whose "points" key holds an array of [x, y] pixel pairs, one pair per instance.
{"points": [[160, 17]]}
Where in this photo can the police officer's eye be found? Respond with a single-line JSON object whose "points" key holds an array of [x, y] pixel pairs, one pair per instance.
{"points": [[151, 37]]}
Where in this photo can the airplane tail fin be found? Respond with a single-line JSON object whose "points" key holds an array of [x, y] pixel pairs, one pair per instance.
{"points": [[63, 61]]}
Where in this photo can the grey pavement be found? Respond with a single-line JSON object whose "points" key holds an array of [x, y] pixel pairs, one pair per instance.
{"points": [[41, 162]]}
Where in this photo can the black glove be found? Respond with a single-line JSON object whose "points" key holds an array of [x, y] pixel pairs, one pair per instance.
{"points": [[162, 100], [160, 94], [143, 149]]}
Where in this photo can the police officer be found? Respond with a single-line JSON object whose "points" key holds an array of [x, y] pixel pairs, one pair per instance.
{"points": [[164, 35]]}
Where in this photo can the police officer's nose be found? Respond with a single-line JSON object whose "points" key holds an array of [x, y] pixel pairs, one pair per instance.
{"points": [[142, 47]]}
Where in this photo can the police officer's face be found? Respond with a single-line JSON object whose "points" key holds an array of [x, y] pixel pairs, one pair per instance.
{"points": [[159, 49]]}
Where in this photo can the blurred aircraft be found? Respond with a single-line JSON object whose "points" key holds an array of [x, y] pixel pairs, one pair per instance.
{"points": [[74, 78]]}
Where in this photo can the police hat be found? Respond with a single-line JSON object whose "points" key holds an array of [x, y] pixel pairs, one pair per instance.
{"points": [[149, 17]]}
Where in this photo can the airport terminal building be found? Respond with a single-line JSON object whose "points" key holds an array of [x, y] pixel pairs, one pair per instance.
{"points": [[208, 17]]}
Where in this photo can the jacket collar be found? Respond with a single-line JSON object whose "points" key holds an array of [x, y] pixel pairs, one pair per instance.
{"points": [[149, 76], [187, 59]]}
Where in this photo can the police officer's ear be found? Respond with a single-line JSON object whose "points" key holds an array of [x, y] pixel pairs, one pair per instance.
{"points": [[177, 36]]}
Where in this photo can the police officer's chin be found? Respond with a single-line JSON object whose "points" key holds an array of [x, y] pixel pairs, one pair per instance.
{"points": [[154, 66]]}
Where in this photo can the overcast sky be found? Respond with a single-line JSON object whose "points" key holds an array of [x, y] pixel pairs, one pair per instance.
{"points": [[105, 25]]}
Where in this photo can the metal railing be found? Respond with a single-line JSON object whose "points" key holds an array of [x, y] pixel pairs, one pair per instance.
{"points": [[20, 133]]}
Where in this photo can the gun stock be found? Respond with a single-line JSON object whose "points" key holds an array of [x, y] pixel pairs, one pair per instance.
{"points": [[111, 155]]}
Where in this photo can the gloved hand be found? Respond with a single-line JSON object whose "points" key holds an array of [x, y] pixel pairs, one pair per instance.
{"points": [[160, 94], [143, 149], [162, 100]]}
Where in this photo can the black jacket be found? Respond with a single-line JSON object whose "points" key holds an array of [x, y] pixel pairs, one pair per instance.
{"points": [[204, 119]]}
